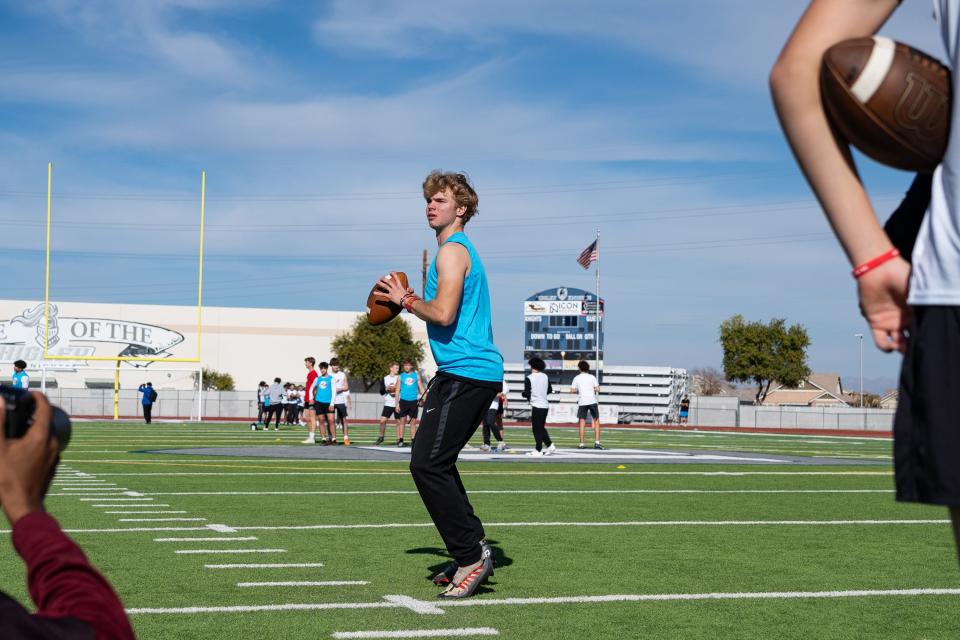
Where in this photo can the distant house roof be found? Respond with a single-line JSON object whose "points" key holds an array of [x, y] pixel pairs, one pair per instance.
{"points": [[820, 389]]}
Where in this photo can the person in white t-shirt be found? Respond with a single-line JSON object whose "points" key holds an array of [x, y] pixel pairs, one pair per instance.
{"points": [[342, 389], [536, 389], [587, 388], [910, 307], [388, 389]]}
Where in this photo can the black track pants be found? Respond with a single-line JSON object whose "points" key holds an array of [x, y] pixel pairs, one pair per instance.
{"points": [[540, 435], [453, 409]]}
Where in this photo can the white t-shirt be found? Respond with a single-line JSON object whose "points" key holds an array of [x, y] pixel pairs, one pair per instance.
{"points": [[539, 384], [584, 384], [935, 278], [390, 399], [340, 382], [496, 401]]}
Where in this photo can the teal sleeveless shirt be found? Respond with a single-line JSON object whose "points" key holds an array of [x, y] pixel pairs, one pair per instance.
{"points": [[466, 347]]}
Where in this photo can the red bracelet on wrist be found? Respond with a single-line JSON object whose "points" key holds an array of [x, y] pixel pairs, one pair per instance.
{"points": [[869, 265], [407, 301]]}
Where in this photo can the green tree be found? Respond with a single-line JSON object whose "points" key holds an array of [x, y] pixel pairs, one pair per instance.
{"points": [[368, 350], [761, 353], [215, 380]]}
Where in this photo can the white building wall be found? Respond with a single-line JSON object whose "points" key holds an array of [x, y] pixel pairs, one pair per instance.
{"points": [[249, 344]]}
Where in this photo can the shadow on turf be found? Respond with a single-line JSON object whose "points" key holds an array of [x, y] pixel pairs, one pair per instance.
{"points": [[500, 559]]}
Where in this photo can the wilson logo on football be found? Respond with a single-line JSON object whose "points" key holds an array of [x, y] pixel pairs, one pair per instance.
{"points": [[921, 109]]}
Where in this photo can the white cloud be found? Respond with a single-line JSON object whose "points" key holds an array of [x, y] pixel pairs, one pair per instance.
{"points": [[149, 29]]}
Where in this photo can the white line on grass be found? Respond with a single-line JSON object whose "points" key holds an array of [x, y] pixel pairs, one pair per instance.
{"points": [[417, 606], [610, 472], [143, 513], [462, 632], [125, 505], [117, 489], [666, 597], [103, 499], [222, 528], [654, 597], [513, 491], [624, 523], [160, 519], [311, 583], [271, 565], [205, 551], [208, 539]]}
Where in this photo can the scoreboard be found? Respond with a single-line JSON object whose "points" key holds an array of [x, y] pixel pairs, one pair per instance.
{"points": [[561, 326]]}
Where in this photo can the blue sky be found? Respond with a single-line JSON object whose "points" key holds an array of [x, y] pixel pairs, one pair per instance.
{"points": [[316, 122]]}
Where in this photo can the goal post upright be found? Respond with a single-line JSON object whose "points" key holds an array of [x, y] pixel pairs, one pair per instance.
{"points": [[118, 359]]}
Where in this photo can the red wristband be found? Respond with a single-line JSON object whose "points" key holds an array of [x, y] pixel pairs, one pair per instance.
{"points": [[407, 301], [869, 265]]}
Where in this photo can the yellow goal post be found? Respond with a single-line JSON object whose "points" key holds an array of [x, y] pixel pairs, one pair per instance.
{"points": [[47, 356]]}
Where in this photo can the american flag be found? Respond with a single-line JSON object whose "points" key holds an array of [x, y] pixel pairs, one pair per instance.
{"points": [[588, 255]]}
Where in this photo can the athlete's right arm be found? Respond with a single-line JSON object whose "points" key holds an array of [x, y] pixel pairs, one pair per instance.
{"points": [[827, 163]]}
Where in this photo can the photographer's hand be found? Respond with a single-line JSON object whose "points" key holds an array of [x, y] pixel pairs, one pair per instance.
{"points": [[27, 463]]}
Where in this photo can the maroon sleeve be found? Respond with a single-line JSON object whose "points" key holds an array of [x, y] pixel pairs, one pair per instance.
{"points": [[63, 583]]}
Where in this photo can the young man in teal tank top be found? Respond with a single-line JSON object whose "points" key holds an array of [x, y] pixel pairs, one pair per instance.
{"points": [[456, 308]]}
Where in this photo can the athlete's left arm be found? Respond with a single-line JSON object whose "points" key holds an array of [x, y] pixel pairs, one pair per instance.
{"points": [[453, 264]]}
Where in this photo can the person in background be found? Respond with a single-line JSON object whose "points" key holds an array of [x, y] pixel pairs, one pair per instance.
{"points": [[493, 421], [536, 389], [20, 378], [74, 601], [321, 402], [274, 403], [587, 388], [261, 398], [684, 409], [409, 390], [388, 389], [342, 397], [149, 397]]}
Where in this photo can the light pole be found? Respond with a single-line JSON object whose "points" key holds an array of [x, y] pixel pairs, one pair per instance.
{"points": [[859, 336]]}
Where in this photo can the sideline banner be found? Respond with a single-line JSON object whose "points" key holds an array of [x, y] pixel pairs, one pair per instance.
{"points": [[565, 413]]}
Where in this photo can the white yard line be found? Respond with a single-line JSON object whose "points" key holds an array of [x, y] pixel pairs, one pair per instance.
{"points": [[144, 512], [126, 499], [270, 565], [146, 505], [618, 523], [395, 603], [512, 491], [538, 472], [309, 583], [160, 519], [209, 539], [226, 551], [85, 488], [461, 632]]}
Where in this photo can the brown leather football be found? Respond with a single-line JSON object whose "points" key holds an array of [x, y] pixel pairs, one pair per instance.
{"points": [[381, 310], [889, 100]]}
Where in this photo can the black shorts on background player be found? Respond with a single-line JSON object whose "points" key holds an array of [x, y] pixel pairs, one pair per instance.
{"points": [[409, 408], [341, 410], [592, 409], [389, 412]]}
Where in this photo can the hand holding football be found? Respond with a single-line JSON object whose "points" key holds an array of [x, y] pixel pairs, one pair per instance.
{"points": [[381, 309]]}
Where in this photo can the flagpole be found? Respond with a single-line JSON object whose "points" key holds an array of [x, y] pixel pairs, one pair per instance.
{"points": [[599, 316]]}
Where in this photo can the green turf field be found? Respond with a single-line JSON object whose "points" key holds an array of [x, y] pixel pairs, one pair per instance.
{"points": [[584, 550]]}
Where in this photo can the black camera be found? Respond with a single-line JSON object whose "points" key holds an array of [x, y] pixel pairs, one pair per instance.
{"points": [[20, 409]]}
